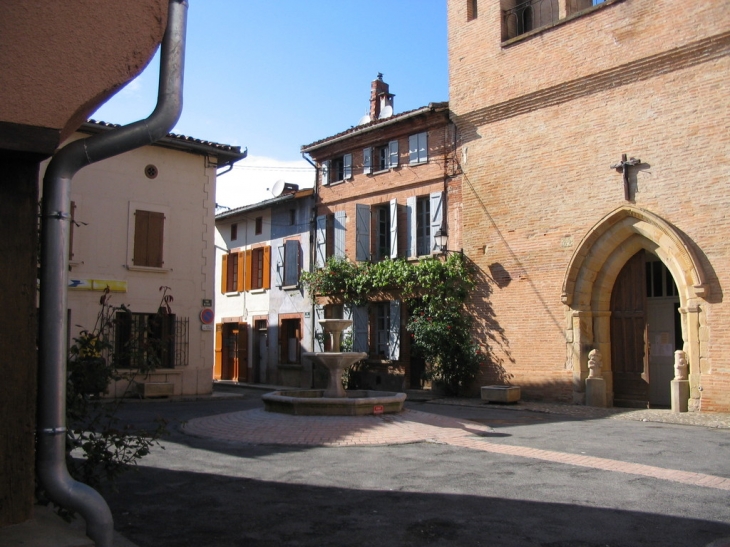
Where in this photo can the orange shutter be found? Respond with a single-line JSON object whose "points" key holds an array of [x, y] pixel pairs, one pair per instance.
{"points": [[266, 276], [224, 274], [241, 272], [217, 368], [248, 271]]}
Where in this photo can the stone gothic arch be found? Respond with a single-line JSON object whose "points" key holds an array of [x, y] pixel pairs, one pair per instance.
{"points": [[590, 278]]}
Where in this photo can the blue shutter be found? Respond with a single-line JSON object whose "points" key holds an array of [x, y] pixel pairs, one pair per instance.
{"points": [[411, 228], [320, 250], [347, 166], [413, 149], [280, 266], [291, 262], [362, 232], [394, 334], [325, 173], [393, 228], [422, 147], [367, 156], [437, 216], [360, 325], [393, 154], [340, 234]]}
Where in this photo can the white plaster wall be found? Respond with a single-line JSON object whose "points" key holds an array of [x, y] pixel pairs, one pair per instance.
{"points": [[185, 190]]}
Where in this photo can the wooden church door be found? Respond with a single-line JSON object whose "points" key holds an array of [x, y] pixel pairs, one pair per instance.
{"points": [[629, 335]]}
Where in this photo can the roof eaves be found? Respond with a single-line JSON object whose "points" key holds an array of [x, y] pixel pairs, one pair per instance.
{"points": [[226, 152], [377, 124]]}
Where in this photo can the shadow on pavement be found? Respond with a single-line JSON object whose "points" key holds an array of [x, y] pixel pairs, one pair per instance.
{"points": [[160, 508]]}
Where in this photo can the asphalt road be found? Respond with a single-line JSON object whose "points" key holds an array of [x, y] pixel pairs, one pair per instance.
{"points": [[203, 492]]}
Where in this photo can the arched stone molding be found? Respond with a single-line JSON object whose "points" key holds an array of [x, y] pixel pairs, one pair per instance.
{"points": [[592, 272]]}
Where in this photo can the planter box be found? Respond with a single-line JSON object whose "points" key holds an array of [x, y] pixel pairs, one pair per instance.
{"points": [[155, 389], [501, 394]]}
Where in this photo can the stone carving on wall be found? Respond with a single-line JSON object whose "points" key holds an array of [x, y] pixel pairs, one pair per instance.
{"points": [[595, 364]]}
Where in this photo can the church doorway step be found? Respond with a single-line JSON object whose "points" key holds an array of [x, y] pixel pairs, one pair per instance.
{"points": [[645, 331]]}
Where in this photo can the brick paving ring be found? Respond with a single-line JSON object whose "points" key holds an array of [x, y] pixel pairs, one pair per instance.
{"points": [[261, 427]]}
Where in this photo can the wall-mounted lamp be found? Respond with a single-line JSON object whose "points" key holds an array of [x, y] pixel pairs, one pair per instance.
{"points": [[441, 241]]}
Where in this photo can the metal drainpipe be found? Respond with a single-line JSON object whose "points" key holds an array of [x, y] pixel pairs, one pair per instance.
{"points": [[53, 474]]}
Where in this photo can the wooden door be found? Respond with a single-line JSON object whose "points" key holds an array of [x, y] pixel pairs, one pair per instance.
{"points": [[242, 353], [629, 336]]}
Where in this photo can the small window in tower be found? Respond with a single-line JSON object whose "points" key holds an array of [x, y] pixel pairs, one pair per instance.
{"points": [[471, 10]]}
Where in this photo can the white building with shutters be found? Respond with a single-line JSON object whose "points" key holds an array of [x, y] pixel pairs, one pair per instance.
{"points": [[142, 221], [263, 318], [384, 188]]}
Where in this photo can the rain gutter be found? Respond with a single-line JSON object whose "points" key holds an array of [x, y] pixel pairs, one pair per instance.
{"points": [[53, 473]]}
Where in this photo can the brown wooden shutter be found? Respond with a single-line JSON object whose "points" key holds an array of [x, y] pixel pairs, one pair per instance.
{"points": [[241, 272], [149, 230], [224, 274], [217, 368], [248, 270], [266, 274]]}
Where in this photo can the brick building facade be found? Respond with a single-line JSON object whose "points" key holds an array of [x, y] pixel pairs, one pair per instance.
{"points": [[579, 249], [384, 188]]}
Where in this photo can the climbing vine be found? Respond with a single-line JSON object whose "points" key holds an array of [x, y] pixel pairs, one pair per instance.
{"points": [[435, 291]]}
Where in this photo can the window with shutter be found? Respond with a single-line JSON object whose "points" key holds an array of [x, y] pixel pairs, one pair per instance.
{"points": [[149, 230]]}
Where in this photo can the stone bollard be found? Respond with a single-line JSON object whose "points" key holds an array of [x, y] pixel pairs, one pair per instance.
{"points": [[595, 384], [680, 384]]}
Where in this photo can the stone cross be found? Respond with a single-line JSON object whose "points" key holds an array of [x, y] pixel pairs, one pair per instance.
{"points": [[623, 167]]}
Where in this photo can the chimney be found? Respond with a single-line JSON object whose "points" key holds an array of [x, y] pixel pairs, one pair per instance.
{"points": [[380, 97]]}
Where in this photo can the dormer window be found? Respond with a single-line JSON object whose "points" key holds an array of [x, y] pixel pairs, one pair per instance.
{"points": [[337, 169]]}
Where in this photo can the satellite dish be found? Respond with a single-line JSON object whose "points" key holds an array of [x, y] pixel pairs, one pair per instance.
{"points": [[365, 119], [387, 112], [282, 187]]}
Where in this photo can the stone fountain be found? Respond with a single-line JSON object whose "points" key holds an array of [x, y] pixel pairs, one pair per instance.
{"points": [[334, 401]]}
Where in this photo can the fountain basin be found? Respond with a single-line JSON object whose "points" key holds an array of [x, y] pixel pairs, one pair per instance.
{"points": [[313, 403]]}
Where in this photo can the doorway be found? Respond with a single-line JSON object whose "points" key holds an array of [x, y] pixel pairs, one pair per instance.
{"points": [[261, 333], [231, 352], [645, 331]]}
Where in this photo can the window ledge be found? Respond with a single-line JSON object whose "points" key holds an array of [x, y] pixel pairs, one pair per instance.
{"points": [[232, 293], [381, 171], [289, 287], [418, 162], [133, 268], [258, 291]]}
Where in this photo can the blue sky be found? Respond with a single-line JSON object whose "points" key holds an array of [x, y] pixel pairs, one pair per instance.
{"points": [[273, 75]]}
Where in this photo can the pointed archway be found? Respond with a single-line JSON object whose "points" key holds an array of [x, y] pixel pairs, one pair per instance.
{"points": [[592, 273]]}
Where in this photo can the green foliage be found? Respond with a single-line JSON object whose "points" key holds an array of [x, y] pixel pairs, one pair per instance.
{"points": [[98, 447], [435, 291]]}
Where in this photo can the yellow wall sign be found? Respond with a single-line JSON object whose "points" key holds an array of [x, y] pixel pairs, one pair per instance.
{"points": [[97, 285]]}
